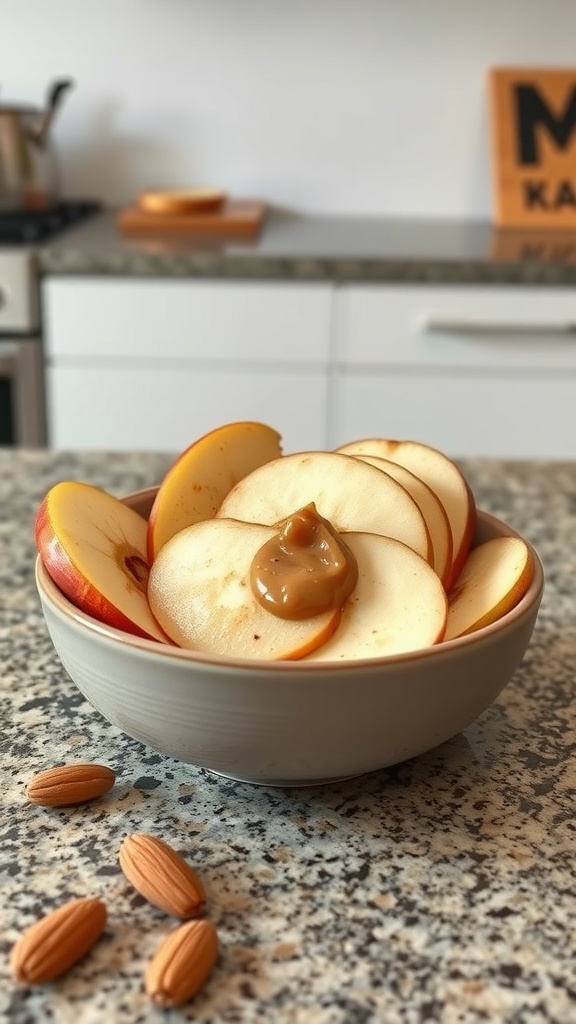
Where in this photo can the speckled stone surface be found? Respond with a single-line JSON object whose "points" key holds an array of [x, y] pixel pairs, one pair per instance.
{"points": [[442, 890], [299, 247]]}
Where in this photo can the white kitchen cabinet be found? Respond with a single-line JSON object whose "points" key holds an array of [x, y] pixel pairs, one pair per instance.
{"points": [[480, 370], [164, 408], [479, 416], [152, 364]]}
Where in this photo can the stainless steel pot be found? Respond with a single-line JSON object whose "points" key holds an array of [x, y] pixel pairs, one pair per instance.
{"points": [[28, 164]]}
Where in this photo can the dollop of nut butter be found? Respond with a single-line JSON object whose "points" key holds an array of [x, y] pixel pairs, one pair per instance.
{"points": [[304, 570]]}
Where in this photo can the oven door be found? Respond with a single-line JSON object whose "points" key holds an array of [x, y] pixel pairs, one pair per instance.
{"points": [[22, 409]]}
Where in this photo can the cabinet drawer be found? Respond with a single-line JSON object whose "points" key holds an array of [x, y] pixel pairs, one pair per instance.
{"points": [[166, 409], [187, 319], [462, 415], [486, 327]]}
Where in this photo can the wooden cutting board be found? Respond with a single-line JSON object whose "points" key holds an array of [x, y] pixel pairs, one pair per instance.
{"points": [[234, 219]]}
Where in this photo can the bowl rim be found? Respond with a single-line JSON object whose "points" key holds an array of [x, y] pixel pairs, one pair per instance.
{"points": [[49, 592]]}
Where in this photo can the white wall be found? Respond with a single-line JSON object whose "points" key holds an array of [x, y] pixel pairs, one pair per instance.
{"points": [[359, 106]]}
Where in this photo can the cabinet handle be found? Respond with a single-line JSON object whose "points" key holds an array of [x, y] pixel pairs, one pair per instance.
{"points": [[438, 325]]}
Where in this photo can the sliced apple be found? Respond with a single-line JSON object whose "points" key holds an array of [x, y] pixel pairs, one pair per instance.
{"points": [[496, 575], [398, 605], [350, 493], [94, 548], [199, 589], [200, 478], [430, 506], [442, 475]]}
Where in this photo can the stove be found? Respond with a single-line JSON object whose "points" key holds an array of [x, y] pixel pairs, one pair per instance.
{"points": [[22, 383], [31, 227], [22, 370]]}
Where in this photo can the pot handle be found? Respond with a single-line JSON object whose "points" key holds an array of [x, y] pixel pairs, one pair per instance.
{"points": [[39, 132], [55, 92]]}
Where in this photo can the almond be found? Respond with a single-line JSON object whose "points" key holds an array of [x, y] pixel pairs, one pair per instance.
{"points": [[69, 784], [162, 876], [182, 963], [57, 941]]}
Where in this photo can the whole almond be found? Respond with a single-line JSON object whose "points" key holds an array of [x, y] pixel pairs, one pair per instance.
{"points": [[69, 784], [162, 876], [57, 941], [182, 963]]}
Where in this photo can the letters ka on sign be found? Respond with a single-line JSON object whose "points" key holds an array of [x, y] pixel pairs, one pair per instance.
{"points": [[533, 123]]}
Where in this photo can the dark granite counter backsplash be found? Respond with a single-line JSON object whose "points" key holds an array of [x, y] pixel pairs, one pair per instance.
{"points": [[441, 890], [300, 247]]}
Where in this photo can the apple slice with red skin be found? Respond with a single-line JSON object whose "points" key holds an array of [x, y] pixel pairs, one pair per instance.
{"points": [[430, 506], [442, 475], [199, 589], [200, 478], [350, 493], [496, 575], [94, 548], [398, 604]]}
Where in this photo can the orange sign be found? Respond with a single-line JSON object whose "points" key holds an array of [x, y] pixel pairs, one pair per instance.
{"points": [[533, 122]]}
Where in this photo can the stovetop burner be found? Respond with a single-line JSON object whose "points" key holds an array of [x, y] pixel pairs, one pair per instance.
{"points": [[28, 227]]}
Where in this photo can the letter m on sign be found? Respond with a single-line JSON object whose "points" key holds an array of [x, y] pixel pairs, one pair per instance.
{"points": [[533, 140], [533, 113]]}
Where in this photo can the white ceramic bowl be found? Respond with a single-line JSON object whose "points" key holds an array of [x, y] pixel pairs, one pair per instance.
{"points": [[289, 723]]}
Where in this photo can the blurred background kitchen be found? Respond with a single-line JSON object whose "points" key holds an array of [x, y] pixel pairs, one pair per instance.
{"points": [[374, 299]]}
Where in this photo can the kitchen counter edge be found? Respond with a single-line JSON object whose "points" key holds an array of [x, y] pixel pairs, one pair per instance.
{"points": [[299, 247]]}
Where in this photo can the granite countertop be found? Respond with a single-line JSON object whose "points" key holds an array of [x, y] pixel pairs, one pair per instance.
{"points": [[303, 247], [441, 890]]}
